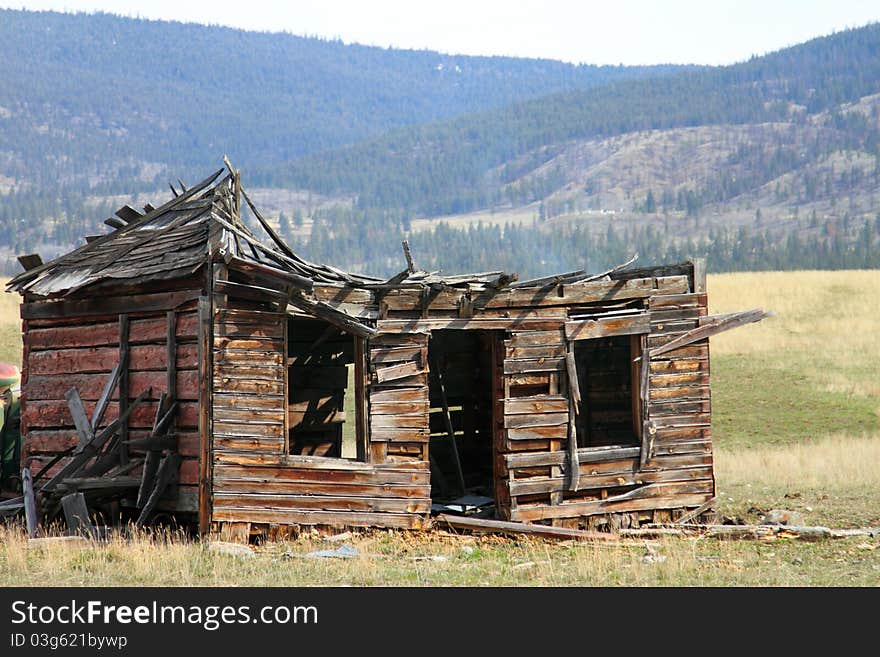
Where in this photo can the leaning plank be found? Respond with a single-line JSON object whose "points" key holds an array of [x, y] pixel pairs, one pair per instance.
{"points": [[80, 419], [327, 312], [690, 515], [710, 326], [87, 451], [394, 372], [168, 469], [104, 399], [517, 528]]}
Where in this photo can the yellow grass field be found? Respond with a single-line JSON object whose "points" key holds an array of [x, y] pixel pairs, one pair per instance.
{"points": [[796, 414]]}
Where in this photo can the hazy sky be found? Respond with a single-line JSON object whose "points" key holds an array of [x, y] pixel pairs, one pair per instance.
{"points": [[588, 31]]}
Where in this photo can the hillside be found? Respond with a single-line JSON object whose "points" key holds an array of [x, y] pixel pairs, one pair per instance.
{"points": [[483, 163], [470, 162], [90, 99]]}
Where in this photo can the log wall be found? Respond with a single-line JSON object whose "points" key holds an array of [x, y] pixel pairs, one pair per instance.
{"points": [[672, 468], [80, 351], [256, 480]]}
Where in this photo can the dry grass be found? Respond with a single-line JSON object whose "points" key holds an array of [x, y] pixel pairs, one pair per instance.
{"points": [[441, 559], [10, 326], [831, 481], [827, 324]]}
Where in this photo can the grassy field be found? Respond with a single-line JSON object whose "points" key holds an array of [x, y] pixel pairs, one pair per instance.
{"points": [[796, 410]]}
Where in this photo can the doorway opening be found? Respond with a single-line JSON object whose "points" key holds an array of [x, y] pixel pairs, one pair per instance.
{"points": [[461, 419]]}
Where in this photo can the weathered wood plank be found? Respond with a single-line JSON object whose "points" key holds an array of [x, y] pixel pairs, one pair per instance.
{"points": [[553, 364], [90, 386], [650, 496], [395, 395], [103, 359], [138, 303], [141, 331], [321, 503], [56, 413], [417, 420], [710, 326], [518, 321], [378, 478], [535, 404], [261, 485], [516, 528], [605, 327], [332, 518], [585, 455], [399, 435], [525, 421], [609, 480], [554, 432], [396, 372]]}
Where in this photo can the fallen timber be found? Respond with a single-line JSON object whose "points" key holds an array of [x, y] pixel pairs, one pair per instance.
{"points": [[720, 532]]}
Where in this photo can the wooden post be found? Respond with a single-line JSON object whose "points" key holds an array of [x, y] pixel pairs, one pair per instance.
{"points": [[123, 386], [206, 378], [360, 398], [574, 400], [30, 504]]}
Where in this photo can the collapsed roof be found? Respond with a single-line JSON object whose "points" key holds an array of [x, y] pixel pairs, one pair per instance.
{"points": [[203, 224]]}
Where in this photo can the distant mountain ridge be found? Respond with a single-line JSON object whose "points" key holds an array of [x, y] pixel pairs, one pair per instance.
{"points": [[100, 98], [464, 163]]}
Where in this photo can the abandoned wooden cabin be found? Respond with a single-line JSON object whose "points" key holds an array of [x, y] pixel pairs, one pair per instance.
{"points": [[293, 393]]}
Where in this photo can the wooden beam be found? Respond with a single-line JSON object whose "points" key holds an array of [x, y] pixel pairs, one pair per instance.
{"points": [[699, 275], [326, 312], [574, 400], [589, 329], [710, 326], [410, 265], [128, 214], [205, 429], [136, 303], [80, 457], [519, 528], [168, 469], [418, 325], [690, 515], [30, 505], [280, 243], [104, 399], [124, 326], [259, 269], [80, 418], [609, 272]]}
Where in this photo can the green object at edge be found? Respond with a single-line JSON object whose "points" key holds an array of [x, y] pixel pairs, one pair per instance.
{"points": [[10, 438]]}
